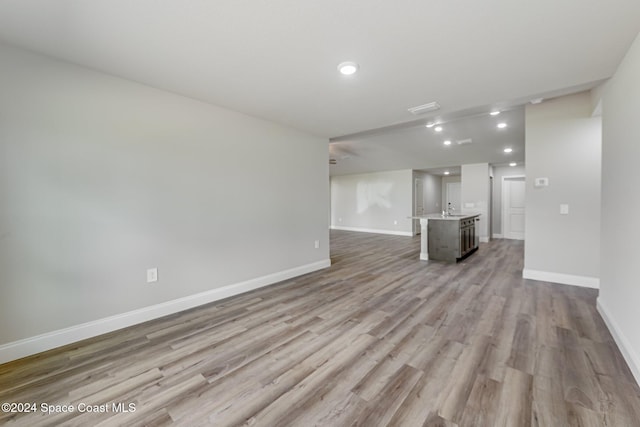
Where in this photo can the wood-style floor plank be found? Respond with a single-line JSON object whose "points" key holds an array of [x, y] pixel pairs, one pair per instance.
{"points": [[379, 338]]}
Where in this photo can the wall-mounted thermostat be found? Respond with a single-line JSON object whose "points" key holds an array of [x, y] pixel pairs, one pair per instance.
{"points": [[541, 182]]}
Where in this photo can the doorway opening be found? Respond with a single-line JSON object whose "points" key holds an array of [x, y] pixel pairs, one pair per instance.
{"points": [[513, 207]]}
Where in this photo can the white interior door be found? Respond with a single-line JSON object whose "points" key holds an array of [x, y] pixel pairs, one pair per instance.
{"points": [[453, 196], [513, 189], [418, 204]]}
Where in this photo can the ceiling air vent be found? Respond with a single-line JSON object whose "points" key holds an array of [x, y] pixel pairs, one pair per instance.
{"points": [[425, 108], [464, 141]]}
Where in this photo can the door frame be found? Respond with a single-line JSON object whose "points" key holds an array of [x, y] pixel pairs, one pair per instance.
{"points": [[503, 208]]}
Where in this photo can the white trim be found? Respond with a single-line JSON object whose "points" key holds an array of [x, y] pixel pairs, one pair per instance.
{"points": [[29, 346], [373, 230], [497, 236], [625, 347], [565, 279], [484, 239]]}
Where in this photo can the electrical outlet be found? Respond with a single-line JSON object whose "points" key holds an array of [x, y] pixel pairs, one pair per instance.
{"points": [[339, 219], [316, 244], [564, 209], [152, 275]]}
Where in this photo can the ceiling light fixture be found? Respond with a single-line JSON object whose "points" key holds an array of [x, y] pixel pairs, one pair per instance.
{"points": [[438, 129], [447, 142], [512, 164], [348, 68], [502, 125], [508, 150], [494, 113], [446, 172], [430, 125], [537, 101]]}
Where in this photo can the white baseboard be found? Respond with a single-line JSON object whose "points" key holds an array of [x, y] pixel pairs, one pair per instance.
{"points": [[565, 279], [373, 230], [625, 347], [484, 239], [29, 346], [497, 236]]}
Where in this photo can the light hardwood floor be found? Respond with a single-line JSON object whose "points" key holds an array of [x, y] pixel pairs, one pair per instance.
{"points": [[379, 338]]}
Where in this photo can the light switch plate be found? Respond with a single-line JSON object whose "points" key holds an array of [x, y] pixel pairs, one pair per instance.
{"points": [[564, 209]]}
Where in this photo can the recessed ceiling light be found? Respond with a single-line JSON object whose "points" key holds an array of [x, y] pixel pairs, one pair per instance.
{"points": [[447, 142], [508, 150], [348, 68], [446, 172], [502, 125], [438, 128], [494, 113], [512, 164]]}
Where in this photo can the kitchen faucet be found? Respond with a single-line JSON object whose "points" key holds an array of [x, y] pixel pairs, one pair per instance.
{"points": [[450, 209]]}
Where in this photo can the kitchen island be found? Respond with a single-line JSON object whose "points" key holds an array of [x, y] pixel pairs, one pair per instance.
{"points": [[448, 237]]}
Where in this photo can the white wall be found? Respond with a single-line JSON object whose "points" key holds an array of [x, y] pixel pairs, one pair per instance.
{"points": [[475, 195], [102, 178], [498, 173], [619, 299], [375, 202], [563, 144]]}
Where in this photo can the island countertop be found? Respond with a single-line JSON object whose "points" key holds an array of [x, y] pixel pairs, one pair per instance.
{"points": [[454, 217]]}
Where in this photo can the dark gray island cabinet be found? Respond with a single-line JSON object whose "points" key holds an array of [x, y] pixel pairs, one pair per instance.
{"points": [[448, 237]]}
